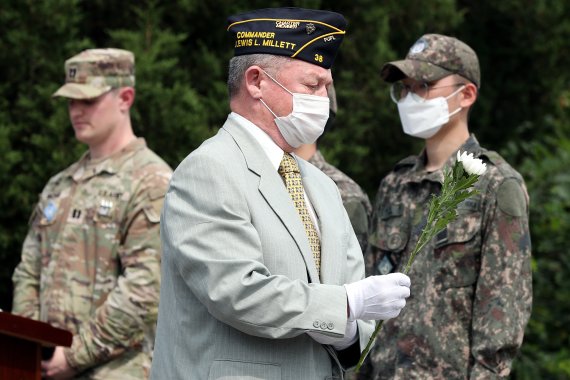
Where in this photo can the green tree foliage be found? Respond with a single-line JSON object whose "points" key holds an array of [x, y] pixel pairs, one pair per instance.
{"points": [[35, 139], [182, 51], [546, 352], [367, 139], [523, 48], [167, 104]]}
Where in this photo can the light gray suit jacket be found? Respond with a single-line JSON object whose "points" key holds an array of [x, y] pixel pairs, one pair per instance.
{"points": [[239, 284]]}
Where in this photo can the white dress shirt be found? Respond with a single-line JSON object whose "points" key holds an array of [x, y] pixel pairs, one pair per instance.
{"points": [[274, 153]]}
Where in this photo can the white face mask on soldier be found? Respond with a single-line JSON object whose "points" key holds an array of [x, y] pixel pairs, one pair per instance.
{"points": [[425, 118], [307, 120]]}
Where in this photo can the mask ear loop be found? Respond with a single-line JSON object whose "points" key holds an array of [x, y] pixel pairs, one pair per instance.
{"points": [[452, 95], [266, 106], [455, 92], [275, 80], [280, 85]]}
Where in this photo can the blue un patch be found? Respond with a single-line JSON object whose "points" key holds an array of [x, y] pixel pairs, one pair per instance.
{"points": [[49, 211]]}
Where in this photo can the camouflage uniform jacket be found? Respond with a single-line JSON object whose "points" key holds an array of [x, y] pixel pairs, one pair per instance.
{"points": [[355, 200], [471, 291], [91, 260]]}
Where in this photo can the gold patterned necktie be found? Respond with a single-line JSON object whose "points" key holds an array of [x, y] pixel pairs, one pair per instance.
{"points": [[289, 170]]}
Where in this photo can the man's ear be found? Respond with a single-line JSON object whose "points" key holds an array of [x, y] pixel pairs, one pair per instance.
{"points": [[126, 97], [469, 95], [252, 78]]}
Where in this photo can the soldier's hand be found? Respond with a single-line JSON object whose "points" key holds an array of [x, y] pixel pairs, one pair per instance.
{"points": [[378, 297], [57, 368]]}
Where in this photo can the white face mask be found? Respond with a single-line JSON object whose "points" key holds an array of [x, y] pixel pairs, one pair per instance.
{"points": [[306, 122], [424, 119]]}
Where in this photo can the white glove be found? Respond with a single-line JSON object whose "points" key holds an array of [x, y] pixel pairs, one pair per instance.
{"points": [[378, 297], [350, 336]]}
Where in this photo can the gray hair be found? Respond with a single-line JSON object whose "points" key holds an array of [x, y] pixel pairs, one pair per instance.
{"points": [[239, 64]]}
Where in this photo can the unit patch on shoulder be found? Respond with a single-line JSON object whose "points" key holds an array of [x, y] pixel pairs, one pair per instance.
{"points": [[511, 198]]}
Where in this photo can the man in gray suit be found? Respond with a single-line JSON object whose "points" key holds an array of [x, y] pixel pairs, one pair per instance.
{"points": [[263, 277]]}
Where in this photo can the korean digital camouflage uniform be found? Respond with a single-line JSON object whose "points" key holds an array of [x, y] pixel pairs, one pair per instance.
{"points": [[355, 200], [91, 260], [471, 286]]}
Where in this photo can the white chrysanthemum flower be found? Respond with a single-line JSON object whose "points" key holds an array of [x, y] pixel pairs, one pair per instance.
{"points": [[471, 164]]}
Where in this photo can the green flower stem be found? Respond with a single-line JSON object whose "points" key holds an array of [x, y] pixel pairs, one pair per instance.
{"points": [[368, 346], [456, 188]]}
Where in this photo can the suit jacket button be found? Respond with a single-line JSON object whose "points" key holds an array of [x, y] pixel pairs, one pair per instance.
{"points": [[316, 324], [330, 326], [323, 325]]}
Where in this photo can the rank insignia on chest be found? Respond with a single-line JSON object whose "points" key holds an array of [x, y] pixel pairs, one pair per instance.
{"points": [[76, 214], [105, 207], [50, 211]]}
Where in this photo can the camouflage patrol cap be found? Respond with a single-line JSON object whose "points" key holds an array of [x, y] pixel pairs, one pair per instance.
{"points": [[432, 57], [310, 35], [93, 72]]}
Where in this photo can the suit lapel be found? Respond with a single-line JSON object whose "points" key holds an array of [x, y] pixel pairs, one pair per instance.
{"points": [[273, 189]]}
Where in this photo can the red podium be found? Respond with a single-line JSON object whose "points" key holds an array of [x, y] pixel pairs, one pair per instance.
{"points": [[21, 340]]}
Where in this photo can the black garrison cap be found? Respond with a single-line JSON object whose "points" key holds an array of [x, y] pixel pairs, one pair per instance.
{"points": [[310, 35]]}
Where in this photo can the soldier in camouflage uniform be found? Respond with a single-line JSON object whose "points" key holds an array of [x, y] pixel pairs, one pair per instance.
{"points": [[354, 199], [91, 259], [472, 289]]}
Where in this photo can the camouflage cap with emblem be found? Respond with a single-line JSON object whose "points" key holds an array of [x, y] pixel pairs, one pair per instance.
{"points": [[310, 35], [432, 57], [93, 72]]}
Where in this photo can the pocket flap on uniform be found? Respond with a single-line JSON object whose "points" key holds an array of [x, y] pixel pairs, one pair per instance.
{"points": [[392, 210], [392, 230], [461, 230], [153, 210]]}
